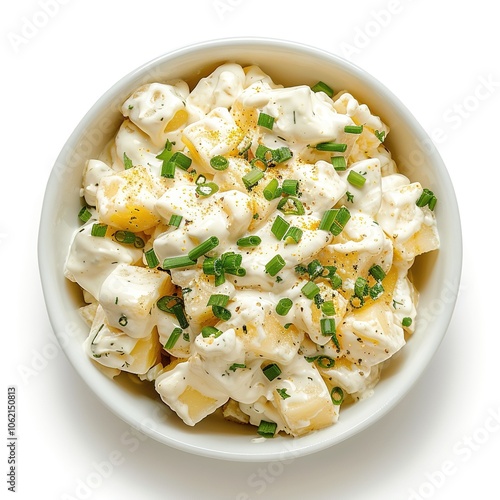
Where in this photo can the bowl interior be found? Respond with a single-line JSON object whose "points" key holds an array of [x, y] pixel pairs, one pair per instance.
{"points": [[436, 275]]}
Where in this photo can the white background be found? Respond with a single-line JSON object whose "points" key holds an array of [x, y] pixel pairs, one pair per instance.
{"points": [[440, 58]]}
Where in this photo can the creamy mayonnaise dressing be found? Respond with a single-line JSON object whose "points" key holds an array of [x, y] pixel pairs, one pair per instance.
{"points": [[278, 332]]}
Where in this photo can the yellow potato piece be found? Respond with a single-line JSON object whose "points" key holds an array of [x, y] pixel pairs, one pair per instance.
{"points": [[198, 404], [127, 199]]}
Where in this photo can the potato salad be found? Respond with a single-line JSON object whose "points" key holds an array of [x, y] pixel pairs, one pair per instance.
{"points": [[246, 248]]}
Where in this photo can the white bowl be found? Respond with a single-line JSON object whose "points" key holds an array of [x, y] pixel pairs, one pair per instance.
{"points": [[436, 274]]}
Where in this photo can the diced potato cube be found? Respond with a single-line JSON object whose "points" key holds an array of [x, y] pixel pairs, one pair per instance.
{"points": [[350, 376], [358, 247], [128, 296], [216, 134], [233, 413], [263, 334], [196, 299], [91, 259], [369, 335], [308, 314], [190, 396], [412, 228], [303, 399], [158, 109], [126, 200], [219, 89], [114, 349], [93, 172]]}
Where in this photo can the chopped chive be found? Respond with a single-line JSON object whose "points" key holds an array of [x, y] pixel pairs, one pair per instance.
{"points": [[281, 154], [181, 160], [201, 179], [270, 157], [231, 260], [151, 258], [290, 205], [327, 220], [180, 315], [284, 306], [259, 164], [123, 321], [168, 169], [207, 189], [335, 340], [293, 235], [272, 371], [432, 203], [427, 198], [177, 262], [166, 154], [361, 288], [173, 338], [337, 395], [334, 220], [325, 361], [376, 290], [275, 265], [218, 299], [84, 214], [290, 186], [175, 220], [99, 230], [249, 241], [168, 302], [331, 146], [315, 269], [235, 366], [272, 190], [407, 321], [221, 313], [356, 302], [328, 308], [300, 269], [283, 393], [263, 153], [253, 177], [127, 162], [126, 237], [353, 129], [138, 242], [267, 429], [203, 248], [310, 290], [377, 272], [280, 227], [209, 331], [212, 266], [172, 304], [219, 162], [237, 271], [327, 326], [339, 163], [380, 135], [356, 179], [265, 121], [220, 279], [322, 87], [336, 281], [311, 359]]}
